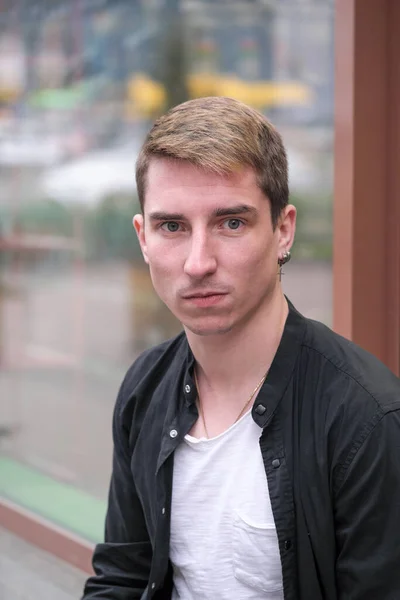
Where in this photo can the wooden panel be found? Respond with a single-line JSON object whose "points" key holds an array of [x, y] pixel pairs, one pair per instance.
{"points": [[393, 197], [46, 536], [367, 193]]}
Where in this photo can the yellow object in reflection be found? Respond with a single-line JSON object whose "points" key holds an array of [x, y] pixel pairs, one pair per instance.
{"points": [[146, 97], [262, 94], [8, 94], [202, 84]]}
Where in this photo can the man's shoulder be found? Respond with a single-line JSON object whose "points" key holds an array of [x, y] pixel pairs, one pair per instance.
{"points": [[155, 362], [368, 375]]}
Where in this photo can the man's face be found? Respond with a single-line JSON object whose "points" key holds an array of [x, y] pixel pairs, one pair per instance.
{"points": [[210, 246]]}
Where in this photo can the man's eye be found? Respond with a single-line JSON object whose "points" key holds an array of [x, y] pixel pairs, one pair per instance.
{"points": [[170, 226], [233, 223]]}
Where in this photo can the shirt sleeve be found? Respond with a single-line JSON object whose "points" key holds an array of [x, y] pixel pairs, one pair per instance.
{"points": [[367, 516], [122, 563]]}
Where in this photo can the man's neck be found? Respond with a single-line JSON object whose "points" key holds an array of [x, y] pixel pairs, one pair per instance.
{"points": [[244, 353]]}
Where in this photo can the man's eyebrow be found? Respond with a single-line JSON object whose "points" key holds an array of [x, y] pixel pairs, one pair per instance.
{"points": [[166, 216], [239, 209]]}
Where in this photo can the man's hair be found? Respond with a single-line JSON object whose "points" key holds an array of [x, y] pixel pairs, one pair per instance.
{"points": [[219, 135]]}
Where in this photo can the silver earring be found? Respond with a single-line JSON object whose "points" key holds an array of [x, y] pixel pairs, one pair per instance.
{"points": [[282, 260]]}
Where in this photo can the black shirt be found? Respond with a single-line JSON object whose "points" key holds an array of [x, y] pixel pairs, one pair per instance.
{"points": [[330, 441]]}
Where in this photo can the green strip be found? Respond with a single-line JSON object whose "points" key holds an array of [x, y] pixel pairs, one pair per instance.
{"points": [[60, 503]]}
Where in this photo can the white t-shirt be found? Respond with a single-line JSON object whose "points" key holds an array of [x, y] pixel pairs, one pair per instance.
{"points": [[223, 539]]}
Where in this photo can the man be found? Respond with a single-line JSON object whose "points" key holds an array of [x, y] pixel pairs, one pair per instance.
{"points": [[256, 455]]}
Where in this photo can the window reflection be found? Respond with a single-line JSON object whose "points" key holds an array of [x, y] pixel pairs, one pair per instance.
{"points": [[80, 84]]}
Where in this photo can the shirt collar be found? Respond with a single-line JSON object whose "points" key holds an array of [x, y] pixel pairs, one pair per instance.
{"points": [[278, 376], [281, 368]]}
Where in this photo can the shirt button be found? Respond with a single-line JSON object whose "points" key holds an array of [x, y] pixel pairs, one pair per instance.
{"points": [[288, 544], [163, 511], [187, 388], [153, 586], [276, 463], [173, 433]]}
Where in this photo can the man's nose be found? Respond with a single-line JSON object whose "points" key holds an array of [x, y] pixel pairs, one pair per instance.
{"points": [[201, 260]]}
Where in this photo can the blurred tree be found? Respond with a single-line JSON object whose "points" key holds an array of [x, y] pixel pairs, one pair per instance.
{"points": [[172, 66], [109, 231], [47, 217]]}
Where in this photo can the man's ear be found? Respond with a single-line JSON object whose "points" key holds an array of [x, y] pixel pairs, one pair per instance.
{"points": [[138, 223], [286, 229]]}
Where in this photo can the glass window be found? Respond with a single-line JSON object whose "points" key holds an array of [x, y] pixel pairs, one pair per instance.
{"points": [[80, 84]]}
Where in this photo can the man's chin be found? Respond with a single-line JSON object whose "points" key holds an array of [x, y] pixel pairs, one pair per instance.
{"points": [[208, 329]]}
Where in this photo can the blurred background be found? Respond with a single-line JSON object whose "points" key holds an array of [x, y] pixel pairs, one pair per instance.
{"points": [[81, 82]]}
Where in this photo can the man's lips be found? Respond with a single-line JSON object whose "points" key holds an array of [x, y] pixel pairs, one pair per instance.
{"points": [[204, 299], [203, 294]]}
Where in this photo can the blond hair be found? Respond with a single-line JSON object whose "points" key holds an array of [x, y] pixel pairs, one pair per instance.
{"points": [[219, 135]]}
